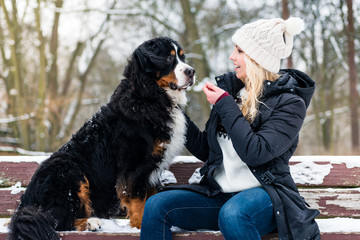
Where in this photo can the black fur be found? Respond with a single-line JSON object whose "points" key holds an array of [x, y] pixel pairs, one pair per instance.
{"points": [[113, 151]]}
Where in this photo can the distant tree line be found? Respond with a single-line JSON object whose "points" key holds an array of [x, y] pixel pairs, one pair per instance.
{"points": [[51, 86]]}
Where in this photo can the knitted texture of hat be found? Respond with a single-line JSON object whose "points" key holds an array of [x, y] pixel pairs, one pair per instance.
{"points": [[267, 41]]}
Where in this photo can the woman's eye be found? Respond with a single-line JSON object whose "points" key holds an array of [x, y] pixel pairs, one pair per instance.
{"points": [[239, 51]]}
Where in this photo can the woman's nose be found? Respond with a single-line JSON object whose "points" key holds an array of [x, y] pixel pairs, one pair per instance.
{"points": [[232, 56]]}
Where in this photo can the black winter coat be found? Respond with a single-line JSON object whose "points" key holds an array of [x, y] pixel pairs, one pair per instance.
{"points": [[265, 146]]}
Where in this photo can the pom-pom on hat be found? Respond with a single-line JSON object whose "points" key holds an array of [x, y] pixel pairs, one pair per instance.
{"points": [[267, 41]]}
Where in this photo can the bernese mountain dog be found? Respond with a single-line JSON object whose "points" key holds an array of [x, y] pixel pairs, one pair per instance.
{"points": [[116, 158]]}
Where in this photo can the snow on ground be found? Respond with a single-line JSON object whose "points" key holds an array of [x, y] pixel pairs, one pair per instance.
{"points": [[122, 225]]}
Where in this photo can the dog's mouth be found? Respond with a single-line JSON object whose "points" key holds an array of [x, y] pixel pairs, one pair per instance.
{"points": [[189, 83], [187, 78]]}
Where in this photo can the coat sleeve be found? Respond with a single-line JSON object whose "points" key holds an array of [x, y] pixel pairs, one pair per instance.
{"points": [[273, 138], [196, 141]]}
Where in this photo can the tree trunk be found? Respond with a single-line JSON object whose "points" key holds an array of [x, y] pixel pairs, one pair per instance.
{"points": [[40, 133], [54, 114], [353, 79], [18, 90], [199, 62], [286, 15]]}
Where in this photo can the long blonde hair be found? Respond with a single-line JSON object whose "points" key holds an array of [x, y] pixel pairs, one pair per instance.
{"points": [[254, 82]]}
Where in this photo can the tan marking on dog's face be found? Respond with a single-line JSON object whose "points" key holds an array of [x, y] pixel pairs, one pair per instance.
{"points": [[166, 80], [172, 53], [181, 53], [135, 208], [84, 195]]}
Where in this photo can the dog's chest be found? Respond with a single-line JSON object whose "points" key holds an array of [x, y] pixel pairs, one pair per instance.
{"points": [[174, 146], [177, 139]]}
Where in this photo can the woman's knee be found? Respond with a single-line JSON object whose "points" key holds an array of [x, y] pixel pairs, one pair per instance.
{"points": [[155, 204], [230, 215]]}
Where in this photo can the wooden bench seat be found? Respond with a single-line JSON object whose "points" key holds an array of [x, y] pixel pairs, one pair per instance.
{"points": [[328, 183]]}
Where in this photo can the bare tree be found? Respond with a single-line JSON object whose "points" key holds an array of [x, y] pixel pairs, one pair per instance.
{"points": [[34, 84], [353, 79], [322, 64], [285, 15]]}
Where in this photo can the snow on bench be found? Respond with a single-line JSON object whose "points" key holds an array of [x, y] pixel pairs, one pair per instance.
{"points": [[328, 183]]}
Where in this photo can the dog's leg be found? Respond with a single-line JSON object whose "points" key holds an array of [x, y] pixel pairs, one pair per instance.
{"points": [[135, 208], [91, 224], [87, 223]]}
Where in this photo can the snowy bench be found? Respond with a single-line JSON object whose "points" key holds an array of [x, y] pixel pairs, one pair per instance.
{"points": [[328, 183]]}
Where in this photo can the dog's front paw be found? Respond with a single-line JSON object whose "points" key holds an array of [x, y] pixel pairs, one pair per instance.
{"points": [[94, 224]]}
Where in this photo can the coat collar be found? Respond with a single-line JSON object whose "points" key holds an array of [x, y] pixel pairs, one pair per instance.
{"points": [[290, 81], [230, 83]]}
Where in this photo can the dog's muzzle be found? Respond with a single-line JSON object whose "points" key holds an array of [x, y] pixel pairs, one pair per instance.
{"points": [[190, 76]]}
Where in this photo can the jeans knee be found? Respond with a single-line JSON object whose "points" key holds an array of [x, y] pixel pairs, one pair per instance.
{"points": [[153, 205], [230, 216]]}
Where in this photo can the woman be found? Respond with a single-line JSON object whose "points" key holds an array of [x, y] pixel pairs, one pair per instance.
{"points": [[246, 189]]}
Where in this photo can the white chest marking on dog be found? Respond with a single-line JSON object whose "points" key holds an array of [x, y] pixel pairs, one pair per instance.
{"points": [[178, 127], [175, 146]]}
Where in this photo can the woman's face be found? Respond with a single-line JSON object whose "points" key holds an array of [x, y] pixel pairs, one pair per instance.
{"points": [[237, 56]]}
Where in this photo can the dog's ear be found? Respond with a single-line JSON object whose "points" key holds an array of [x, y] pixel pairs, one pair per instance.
{"points": [[147, 55], [143, 58]]}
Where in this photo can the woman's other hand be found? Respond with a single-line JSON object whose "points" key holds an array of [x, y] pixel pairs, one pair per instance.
{"points": [[213, 93]]}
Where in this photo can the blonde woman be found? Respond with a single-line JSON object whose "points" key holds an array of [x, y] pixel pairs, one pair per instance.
{"points": [[246, 189]]}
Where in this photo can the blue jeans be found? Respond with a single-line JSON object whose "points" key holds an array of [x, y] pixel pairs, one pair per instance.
{"points": [[244, 215]]}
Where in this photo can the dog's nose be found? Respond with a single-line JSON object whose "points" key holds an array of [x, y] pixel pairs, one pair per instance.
{"points": [[190, 72]]}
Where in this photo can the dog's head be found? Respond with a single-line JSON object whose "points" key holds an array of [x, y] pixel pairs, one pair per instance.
{"points": [[163, 59]]}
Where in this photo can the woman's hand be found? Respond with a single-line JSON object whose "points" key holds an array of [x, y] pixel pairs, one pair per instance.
{"points": [[213, 93]]}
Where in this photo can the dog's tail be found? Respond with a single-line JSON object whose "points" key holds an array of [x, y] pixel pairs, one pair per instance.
{"points": [[29, 223]]}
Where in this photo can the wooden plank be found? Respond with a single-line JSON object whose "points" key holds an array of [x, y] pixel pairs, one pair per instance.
{"points": [[333, 202], [340, 174], [133, 236], [339, 202], [183, 171], [8, 202], [187, 236], [13, 172]]}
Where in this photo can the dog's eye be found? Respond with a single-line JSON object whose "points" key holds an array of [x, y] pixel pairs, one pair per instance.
{"points": [[170, 58]]}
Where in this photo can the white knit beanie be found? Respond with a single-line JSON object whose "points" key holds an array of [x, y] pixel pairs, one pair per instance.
{"points": [[267, 41]]}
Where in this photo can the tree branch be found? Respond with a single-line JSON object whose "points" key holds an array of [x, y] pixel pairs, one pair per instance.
{"points": [[121, 12]]}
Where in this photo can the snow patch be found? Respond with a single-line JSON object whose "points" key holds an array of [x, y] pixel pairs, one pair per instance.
{"points": [[350, 161], [339, 225], [186, 159], [16, 188], [167, 177], [309, 172], [195, 177], [18, 159]]}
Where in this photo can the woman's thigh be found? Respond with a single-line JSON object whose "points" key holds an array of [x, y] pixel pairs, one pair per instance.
{"points": [[250, 209], [187, 209]]}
